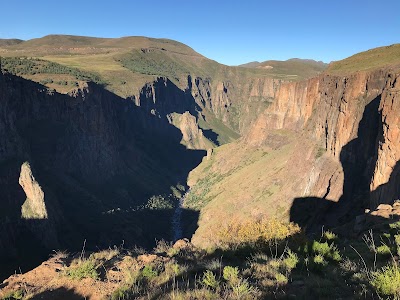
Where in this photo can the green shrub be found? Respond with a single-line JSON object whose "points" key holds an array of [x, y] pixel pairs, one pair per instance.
{"points": [[85, 268], [387, 281], [280, 278], [291, 260], [326, 250], [397, 241], [319, 261], [209, 280], [149, 273], [231, 274], [395, 226], [329, 235], [242, 289], [321, 248], [383, 250], [15, 295]]}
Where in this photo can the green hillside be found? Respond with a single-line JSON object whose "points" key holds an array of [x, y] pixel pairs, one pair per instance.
{"points": [[296, 69], [367, 60]]}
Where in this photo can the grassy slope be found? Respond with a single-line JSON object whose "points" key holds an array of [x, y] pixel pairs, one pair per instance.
{"points": [[100, 56], [297, 69], [367, 60], [120, 60], [242, 183]]}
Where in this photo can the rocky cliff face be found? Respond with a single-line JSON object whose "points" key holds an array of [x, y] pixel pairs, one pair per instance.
{"points": [[356, 120], [237, 100], [77, 166], [226, 108], [330, 149]]}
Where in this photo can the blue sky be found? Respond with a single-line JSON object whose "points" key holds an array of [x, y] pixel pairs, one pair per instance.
{"points": [[230, 32]]}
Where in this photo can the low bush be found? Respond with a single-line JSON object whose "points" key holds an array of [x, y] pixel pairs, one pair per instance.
{"points": [[235, 234], [387, 281], [209, 280], [149, 272]]}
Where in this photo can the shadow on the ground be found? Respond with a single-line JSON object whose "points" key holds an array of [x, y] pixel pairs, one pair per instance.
{"points": [[358, 159], [60, 293]]}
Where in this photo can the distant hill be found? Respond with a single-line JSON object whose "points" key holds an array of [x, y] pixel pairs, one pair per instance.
{"points": [[367, 60], [295, 67], [9, 42], [69, 43]]}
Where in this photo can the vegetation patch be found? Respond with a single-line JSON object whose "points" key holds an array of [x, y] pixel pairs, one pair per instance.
{"points": [[83, 268], [23, 66]]}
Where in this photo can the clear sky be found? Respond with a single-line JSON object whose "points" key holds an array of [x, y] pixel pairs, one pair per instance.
{"points": [[230, 32]]}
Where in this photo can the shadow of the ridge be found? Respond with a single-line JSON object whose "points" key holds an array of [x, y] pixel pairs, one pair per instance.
{"points": [[60, 293], [358, 159], [211, 135], [97, 158]]}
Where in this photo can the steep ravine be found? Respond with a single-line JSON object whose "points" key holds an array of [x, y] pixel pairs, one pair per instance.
{"points": [[93, 156], [329, 148], [74, 167]]}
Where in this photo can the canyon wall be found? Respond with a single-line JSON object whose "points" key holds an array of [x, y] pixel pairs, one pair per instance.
{"points": [[356, 120], [75, 167]]}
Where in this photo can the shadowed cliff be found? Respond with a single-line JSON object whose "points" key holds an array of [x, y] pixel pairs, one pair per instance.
{"points": [[95, 159]]}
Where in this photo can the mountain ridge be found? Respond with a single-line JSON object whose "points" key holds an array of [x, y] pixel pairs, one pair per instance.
{"points": [[316, 152]]}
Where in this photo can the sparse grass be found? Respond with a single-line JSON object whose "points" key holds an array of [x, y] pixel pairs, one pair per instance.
{"points": [[15, 295], [296, 265], [83, 268]]}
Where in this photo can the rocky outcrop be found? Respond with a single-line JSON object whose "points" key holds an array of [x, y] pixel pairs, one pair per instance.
{"points": [[34, 206], [192, 135], [235, 101]]}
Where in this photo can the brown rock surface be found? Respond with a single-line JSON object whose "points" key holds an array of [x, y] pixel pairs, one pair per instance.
{"points": [[34, 206]]}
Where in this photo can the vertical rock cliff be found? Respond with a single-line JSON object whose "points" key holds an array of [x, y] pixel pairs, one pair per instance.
{"points": [[82, 166], [355, 118], [324, 150]]}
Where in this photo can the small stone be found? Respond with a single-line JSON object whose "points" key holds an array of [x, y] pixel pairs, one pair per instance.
{"points": [[181, 244], [384, 207], [396, 203]]}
